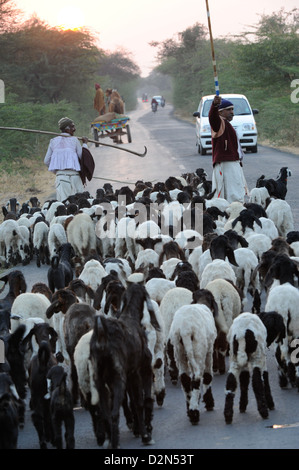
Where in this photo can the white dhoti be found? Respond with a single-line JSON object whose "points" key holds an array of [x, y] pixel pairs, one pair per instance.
{"points": [[229, 181], [68, 182]]}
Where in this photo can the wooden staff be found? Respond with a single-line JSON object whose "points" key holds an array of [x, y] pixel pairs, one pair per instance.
{"points": [[80, 138], [212, 48]]}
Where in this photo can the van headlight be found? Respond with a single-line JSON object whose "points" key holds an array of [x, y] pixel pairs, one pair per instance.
{"points": [[206, 129], [248, 127]]}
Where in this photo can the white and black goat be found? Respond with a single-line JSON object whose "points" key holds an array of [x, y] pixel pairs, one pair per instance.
{"points": [[247, 339], [192, 335], [276, 188]]}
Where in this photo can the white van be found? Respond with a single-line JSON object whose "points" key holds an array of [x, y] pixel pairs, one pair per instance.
{"points": [[243, 122]]}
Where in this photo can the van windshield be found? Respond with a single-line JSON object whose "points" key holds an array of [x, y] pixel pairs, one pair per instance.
{"points": [[241, 107]]}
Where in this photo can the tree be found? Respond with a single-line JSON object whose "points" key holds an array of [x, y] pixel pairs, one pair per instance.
{"points": [[9, 15], [270, 52], [43, 64]]}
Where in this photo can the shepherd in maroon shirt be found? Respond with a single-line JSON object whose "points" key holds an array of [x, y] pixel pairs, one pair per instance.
{"points": [[228, 178]]}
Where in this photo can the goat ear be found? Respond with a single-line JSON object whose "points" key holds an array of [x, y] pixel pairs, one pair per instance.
{"points": [[270, 276], [52, 309], [53, 333], [231, 256], [152, 313], [215, 308], [243, 242]]}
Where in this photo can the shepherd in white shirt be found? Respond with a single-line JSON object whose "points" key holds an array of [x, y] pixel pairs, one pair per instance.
{"points": [[63, 158]]}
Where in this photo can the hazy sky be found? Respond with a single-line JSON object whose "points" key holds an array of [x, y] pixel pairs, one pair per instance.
{"points": [[132, 24]]}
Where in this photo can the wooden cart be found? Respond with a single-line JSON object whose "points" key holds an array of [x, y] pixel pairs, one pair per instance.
{"points": [[114, 129]]}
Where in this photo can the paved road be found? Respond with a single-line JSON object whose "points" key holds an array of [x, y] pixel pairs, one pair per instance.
{"points": [[172, 151]]}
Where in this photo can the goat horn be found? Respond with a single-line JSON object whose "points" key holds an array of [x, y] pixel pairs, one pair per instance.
{"points": [[36, 131]]}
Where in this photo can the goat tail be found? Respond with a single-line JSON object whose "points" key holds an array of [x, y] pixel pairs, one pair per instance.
{"points": [[152, 312], [188, 346], [101, 329], [55, 261], [242, 357]]}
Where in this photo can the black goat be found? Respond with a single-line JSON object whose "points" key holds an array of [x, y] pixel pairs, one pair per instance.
{"points": [[60, 274], [17, 285], [276, 188], [61, 408], [40, 406], [121, 363], [14, 365], [9, 416], [11, 208]]}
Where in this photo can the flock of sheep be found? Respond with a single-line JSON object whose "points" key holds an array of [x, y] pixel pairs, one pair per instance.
{"points": [[134, 297]]}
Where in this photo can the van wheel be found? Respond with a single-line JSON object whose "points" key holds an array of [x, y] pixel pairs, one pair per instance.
{"points": [[201, 150], [253, 149]]}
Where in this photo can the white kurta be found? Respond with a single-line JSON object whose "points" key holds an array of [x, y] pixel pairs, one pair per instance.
{"points": [[63, 158], [229, 181]]}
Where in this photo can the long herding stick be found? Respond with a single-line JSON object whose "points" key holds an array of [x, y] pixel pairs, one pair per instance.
{"points": [[80, 138], [213, 52]]}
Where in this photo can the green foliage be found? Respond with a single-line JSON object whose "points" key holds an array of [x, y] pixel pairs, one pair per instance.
{"points": [[14, 145]]}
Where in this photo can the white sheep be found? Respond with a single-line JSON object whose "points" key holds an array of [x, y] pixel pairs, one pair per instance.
{"points": [[11, 242], [219, 202], [247, 261], [192, 335], [28, 305], [247, 354], [82, 236], [279, 211], [168, 266], [229, 307], [217, 269], [146, 259], [268, 228], [156, 344], [258, 243], [86, 384], [56, 237], [40, 242], [259, 196], [194, 260], [93, 273], [171, 302], [284, 299], [158, 287], [50, 212]]}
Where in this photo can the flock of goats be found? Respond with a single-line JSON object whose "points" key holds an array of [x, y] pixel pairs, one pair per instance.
{"points": [[130, 298]]}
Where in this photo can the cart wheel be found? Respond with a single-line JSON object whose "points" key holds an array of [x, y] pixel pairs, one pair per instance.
{"points": [[129, 133], [96, 135]]}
